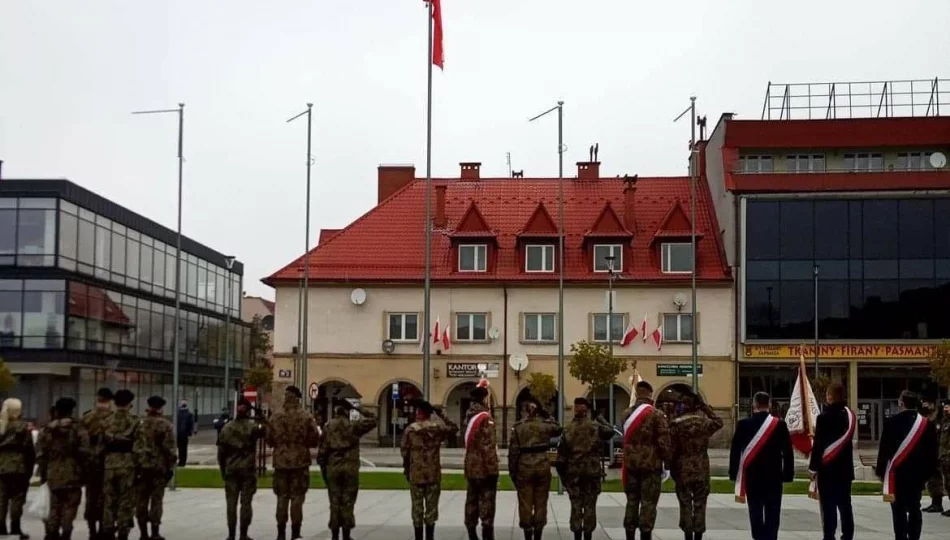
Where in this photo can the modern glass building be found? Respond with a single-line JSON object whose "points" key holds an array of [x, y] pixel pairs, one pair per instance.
{"points": [[87, 299]]}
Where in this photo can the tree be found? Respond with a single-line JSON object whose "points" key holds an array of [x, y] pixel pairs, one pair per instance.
{"points": [[260, 372], [542, 387], [592, 364], [7, 381], [940, 364]]}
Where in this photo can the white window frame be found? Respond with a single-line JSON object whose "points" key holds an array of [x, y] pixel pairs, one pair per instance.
{"points": [[665, 257], [809, 160], [402, 325], [480, 257], [615, 339], [540, 318], [616, 250], [679, 329], [471, 325], [857, 156], [923, 161], [547, 258], [753, 164]]}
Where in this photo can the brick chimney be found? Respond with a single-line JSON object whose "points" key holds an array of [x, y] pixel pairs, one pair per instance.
{"points": [[392, 178], [470, 170], [629, 198], [439, 220], [588, 170]]}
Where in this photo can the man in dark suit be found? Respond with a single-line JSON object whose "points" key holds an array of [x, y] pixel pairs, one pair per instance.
{"points": [[915, 467], [765, 471], [831, 463]]}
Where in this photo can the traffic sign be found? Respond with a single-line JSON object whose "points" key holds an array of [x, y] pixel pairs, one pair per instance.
{"points": [[313, 390], [250, 393], [395, 391]]}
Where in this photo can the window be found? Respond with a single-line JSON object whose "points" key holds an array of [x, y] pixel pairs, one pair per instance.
{"points": [[805, 163], [7, 231], [539, 327], [755, 164], [677, 258], [404, 326], [864, 161], [473, 257], [602, 251], [677, 327], [539, 258], [612, 332], [471, 326], [913, 161]]}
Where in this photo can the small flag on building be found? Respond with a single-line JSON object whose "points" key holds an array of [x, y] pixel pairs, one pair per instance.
{"points": [[629, 335]]}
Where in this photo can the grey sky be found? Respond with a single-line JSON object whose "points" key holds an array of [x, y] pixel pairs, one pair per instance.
{"points": [[70, 72]]}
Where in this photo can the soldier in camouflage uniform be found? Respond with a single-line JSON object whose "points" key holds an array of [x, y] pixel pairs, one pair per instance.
{"points": [[646, 448], [62, 458], [291, 433], [155, 456], [340, 455], [118, 486], [17, 458], [935, 483], [93, 422], [578, 464], [237, 446], [421, 448], [529, 467], [943, 431], [481, 466], [689, 435]]}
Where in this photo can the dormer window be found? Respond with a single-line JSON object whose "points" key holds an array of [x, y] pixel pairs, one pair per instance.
{"points": [[473, 257], [601, 254], [677, 258], [539, 258]]}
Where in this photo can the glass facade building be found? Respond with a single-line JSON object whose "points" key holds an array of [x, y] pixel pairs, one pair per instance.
{"points": [[87, 298]]}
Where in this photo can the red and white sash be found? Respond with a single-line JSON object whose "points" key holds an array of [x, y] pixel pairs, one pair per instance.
{"points": [[473, 425], [630, 425], [752, 450], [903, 451], [834, 449]]}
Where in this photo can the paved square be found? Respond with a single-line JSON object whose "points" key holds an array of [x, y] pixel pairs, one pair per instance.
{"points": [[198, 514]]}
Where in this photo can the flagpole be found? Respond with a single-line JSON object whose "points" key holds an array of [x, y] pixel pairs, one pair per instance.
{"points": [[426, 349]]}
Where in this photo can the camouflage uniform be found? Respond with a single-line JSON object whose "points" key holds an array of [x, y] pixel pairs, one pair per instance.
{"points": [[291, 433], [155, 456], [689, 434], [17, 458], [62, 458], [944, 449], [421, 449], [93, 422], [935, 483], [118, 488], [530, 469], [578, 464], [481, 473], [237, 446], [340, 455], [644, 454]]}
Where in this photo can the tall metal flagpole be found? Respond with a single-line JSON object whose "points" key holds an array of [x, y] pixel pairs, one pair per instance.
{"points": [[427, 315], [693, 164], [229, 262], [176, 331]]}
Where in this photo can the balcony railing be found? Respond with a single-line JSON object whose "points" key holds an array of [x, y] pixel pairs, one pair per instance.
{"points": [[864, 99]]}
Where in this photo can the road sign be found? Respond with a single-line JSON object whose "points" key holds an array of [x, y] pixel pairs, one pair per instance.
{"points": [[313, 390], [250, 393], [395, 391]]}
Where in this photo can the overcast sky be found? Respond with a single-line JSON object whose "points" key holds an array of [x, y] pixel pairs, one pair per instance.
{"points": [[70, 73]]}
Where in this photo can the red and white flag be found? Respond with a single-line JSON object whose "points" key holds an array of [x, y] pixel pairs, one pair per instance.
{"points": [[643, 328], [446, 341], [658, 337], [629, 335], [438, 54], [802, 412], [436, 334]]}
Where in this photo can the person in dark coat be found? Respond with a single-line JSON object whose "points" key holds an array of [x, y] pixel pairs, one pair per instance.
{"points": [[184, 430], [766, 471], [831, 464], [915, 468]]}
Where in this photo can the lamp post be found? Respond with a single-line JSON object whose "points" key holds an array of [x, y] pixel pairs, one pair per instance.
{"points": [[176, 334], [302, 325], [611, 276], [693, 163], [229, 262]]}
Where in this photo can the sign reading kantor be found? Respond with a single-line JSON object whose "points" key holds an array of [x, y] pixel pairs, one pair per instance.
{"points": [[840, 351]]}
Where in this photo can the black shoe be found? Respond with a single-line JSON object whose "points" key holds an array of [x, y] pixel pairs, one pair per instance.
{"points": [[346, 534], [472, 533], [528, 534], [935, 507], [281, 532], [430, 531], [155, 533], [588, 535], [688, 536], [645, 535], [295, 532], [697, 536], [417, 531], [335, 534], [946, 513]]}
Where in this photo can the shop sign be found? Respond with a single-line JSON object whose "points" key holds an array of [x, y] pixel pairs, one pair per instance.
{"points": [[859, 351], [472, 370], [284, 373], [677, 370]]}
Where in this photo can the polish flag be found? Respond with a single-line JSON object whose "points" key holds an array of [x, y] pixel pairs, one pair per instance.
{"points": [[446, 342], [438, 54], [658, 338], [643, 328], [436, 335], [629, 335]]}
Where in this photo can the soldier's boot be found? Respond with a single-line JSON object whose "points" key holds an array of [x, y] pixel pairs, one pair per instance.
{"points": [[417, 533], [936, 506], [91, 524], [646, 535], [472, 533], [631, 535], [155, 534], [335, 534], [281, 532], [346, 534], [67, 534], [3, 527], [688, 536], [295, 532], [244, 535], [230, 533], [946, 513], [528, 534], [143, 529], [430, 531], [538, 532], [697, 536], [578, 535], [15, 530], [488, 532], [588, 535]]}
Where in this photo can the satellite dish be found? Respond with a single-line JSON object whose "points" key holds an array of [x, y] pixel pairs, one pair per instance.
{"points": [[389, 346], [358, 297], [518, 361], [938, 160], [679, 300], [494, 332]]}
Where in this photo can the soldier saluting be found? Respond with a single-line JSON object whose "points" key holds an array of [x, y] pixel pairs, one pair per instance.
{"points": [[93, 422], [481, 465], [237, 445], [292, 433], [529, 467], [340, 452], [421, 448], [155, 455], [689, 435]]}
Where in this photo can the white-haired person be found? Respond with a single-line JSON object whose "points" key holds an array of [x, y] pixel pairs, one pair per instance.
{"points": [[17, 457]]}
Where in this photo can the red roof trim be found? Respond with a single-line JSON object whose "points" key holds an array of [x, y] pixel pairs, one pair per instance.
{"points": [[473, 225], [608, 225], [676, 224], [539, 225]]}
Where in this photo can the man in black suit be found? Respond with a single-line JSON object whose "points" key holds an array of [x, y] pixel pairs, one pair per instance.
{"points": [[835, 471], [914, 469], [767, 470]]}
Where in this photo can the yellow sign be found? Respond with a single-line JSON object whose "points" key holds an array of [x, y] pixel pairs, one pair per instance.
{"points": [[840, 351]]}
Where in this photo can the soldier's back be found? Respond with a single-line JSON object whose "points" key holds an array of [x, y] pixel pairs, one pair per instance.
{"points": [[481, 454], [342, 444], [288, 434], [155, 444], [581, 448], [238, 440], [534, 438], [647, 446], [689, 435], [118, 439], [94, 422], [423, 442], [63, 449]]}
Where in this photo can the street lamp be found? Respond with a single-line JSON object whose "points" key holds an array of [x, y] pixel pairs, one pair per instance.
{"points": [[180, 111], [229, 262], [693, 164], [611, 276]]}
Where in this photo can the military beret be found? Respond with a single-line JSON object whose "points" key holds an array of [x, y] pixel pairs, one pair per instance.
{"points": [[294, 391], [156, 402], [425, 406], [123, 397], [581, 401], [479, 392], [643, 385], [104, 393], [531, 400], [64, 406]]}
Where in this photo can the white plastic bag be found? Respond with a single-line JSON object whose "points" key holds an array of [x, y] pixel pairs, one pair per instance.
{"points": [[39, 506]]}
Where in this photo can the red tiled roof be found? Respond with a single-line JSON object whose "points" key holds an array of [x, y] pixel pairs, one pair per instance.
{"points": [[327, 234], [387, 243], [676, 224]]}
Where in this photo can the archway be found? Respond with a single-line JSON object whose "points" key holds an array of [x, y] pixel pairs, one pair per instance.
{"points": [[395, 415], [523, 395], [329, 390], [457, 402], [600, 401], [670, 396]]}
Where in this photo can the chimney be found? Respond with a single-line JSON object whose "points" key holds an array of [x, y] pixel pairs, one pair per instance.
{"points": [[392, 178], [629, 197], [588, 170], [470, 170], [439, 220]]}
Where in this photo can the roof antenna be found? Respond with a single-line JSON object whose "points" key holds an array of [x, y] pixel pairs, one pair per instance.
{"points": [[596, 151], [509, 164]]}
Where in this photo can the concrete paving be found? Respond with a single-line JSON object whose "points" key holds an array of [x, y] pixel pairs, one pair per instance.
{"points": [[199, 514]]}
